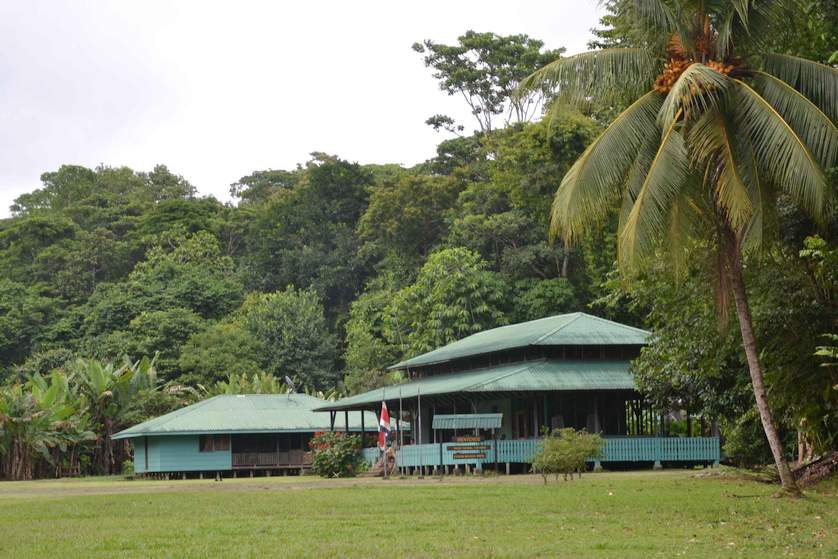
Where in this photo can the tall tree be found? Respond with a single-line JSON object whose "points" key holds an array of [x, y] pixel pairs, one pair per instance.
{"points": [[486, 68], [291, 327], [721, 126], [453, 296]]}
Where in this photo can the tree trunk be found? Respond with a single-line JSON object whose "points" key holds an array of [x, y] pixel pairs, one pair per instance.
{"points": [[749, 342]]}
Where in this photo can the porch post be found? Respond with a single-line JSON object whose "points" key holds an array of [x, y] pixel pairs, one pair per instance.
{"points": [[441, 466], [597, 426], [689, 424], [332, 421], [494, 444], [346, 420]]}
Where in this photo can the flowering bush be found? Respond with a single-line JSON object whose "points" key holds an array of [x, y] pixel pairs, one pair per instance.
{"points": [[335, 454]]}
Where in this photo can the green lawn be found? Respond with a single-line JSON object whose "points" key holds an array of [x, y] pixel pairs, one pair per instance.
{"points": [[640, 514]]}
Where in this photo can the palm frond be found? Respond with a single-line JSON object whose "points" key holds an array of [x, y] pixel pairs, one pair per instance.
{"points": [[712, 150], [598, 175], [755, 233], [648, 219], [602, 75], [724, 37], [696, 89], [816, 81], [742, 9], [808, 121], [783, 158], [685, 223], [655, 11], [637, 175]]}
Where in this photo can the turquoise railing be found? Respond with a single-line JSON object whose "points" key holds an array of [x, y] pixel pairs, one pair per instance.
{"points": [[616, 449]]}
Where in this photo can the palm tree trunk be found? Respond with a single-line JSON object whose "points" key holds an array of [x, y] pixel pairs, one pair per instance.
{"points": [[743, 312]]}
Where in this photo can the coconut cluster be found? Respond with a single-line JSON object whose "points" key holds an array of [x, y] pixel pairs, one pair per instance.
{"points": [[679, 61]]}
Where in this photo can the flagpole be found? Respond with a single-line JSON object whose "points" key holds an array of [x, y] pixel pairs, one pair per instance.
{"points": [[399, 429], [419, 404], [384, 450]]}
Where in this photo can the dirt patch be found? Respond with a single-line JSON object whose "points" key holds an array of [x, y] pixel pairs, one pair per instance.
{"points": [[116, 486]]}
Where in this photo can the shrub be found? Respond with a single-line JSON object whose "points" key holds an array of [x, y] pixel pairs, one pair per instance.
{"points": [[335, 454], [564, 451], [128, 469]]}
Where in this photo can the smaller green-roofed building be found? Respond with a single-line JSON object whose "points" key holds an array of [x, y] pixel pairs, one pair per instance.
{"points": [[236, 432]]}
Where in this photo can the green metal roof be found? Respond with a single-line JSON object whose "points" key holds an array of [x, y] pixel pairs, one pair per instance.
{"points": [[561, 330], [528, 376], [251, 413], [468, 421]]}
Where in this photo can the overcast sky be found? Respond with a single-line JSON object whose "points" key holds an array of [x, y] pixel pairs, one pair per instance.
{"points": [[216, 90]]}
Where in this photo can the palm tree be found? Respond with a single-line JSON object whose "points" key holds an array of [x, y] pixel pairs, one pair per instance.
{"points": [[718, 129]]}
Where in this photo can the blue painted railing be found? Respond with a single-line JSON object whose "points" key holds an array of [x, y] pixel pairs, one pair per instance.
{"points": [[616, 449]]}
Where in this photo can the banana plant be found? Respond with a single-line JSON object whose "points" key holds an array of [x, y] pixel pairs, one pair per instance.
{"points": [[111, 395]]}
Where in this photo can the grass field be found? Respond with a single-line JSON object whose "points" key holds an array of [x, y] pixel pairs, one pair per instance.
{"points": [[637, 514]]}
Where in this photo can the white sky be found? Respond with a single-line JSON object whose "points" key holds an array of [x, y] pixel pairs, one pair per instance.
{"points": [[216, 90]]}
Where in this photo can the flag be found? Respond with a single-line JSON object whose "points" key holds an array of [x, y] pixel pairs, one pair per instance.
{"points": [[383, 427]]}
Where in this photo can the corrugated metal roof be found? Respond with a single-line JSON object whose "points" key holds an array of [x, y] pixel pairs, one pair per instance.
{"points": [[468, 421], [561, 330], [528, 376], [251, 413]]}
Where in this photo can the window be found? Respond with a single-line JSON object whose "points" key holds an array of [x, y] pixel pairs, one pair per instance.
{"points": [[212, 443], [221, 442]]}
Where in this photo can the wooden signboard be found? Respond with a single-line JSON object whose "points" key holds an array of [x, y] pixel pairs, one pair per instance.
{"points": [[469, 456], [453, 447], [470, 448]]}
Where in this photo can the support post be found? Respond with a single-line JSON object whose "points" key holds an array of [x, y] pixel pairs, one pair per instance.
{"points": [[363, 428], [440, 449], [332, 421], [346, 420], [495, 445], [689, 424]]}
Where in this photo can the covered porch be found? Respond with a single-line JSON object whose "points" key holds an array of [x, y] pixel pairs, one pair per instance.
{"points": [[597, 395], [270, 451]]}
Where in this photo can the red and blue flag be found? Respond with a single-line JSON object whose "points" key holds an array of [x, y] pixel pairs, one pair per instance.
{"points": [[383, 427]]}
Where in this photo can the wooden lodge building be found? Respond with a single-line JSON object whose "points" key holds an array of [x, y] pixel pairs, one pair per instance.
{"points": [[265, 432], [501, 387]]}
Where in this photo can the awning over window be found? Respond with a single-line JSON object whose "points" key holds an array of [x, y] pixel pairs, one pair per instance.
{"points": [[468, 421]]}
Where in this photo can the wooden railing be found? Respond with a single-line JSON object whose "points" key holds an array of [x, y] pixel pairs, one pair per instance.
{"points": [[616, 449], [290, 458]]}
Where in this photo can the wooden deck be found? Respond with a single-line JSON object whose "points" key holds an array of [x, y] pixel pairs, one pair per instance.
{"points": [[692, 450]]}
